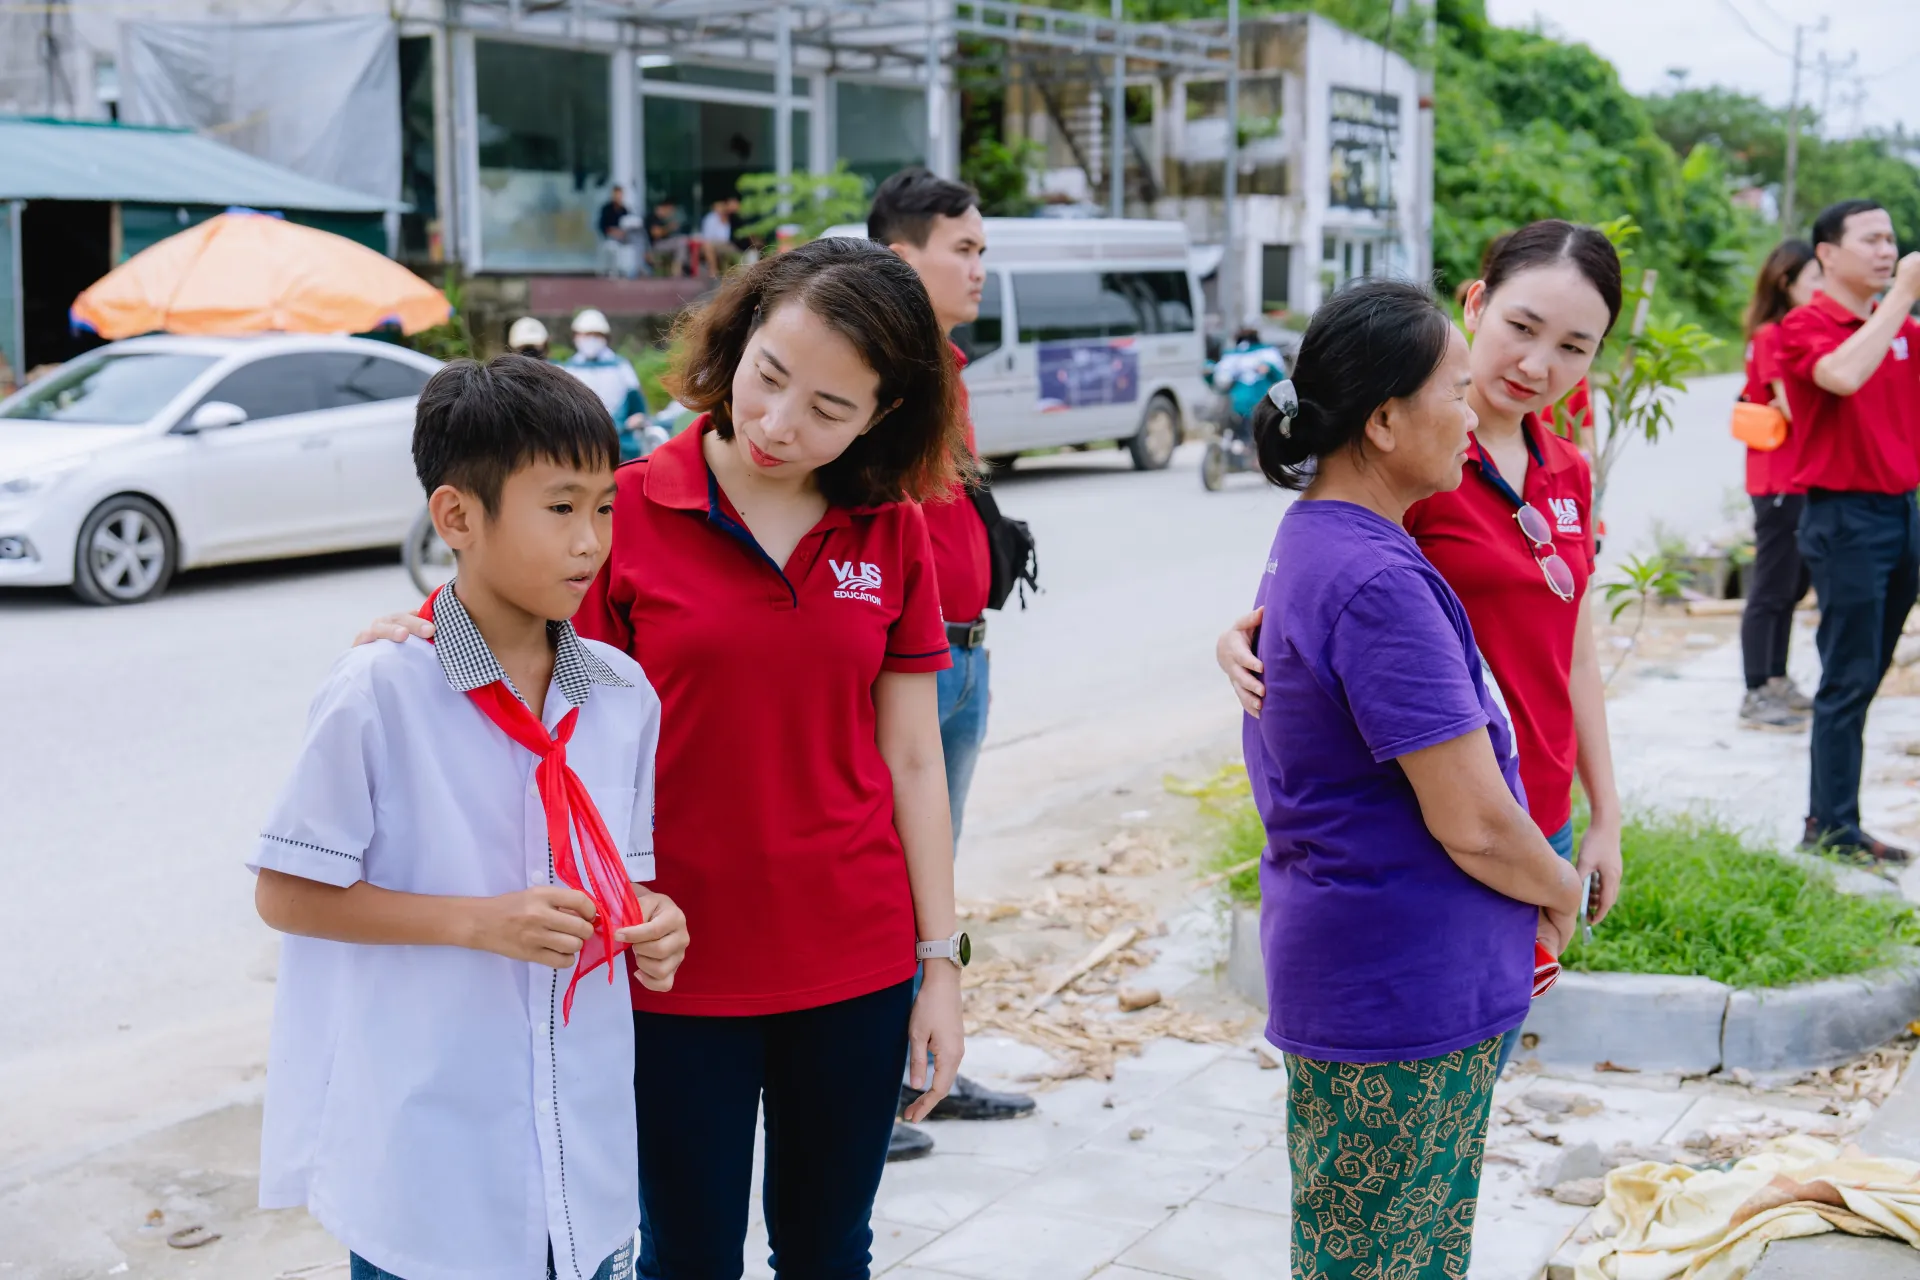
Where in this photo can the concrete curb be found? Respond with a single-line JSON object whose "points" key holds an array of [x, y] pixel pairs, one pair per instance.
{"points": [[1692, 1026]]}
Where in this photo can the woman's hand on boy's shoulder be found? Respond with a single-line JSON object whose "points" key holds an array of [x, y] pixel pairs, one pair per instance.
{"points": [[395, 627], [660, 944]]}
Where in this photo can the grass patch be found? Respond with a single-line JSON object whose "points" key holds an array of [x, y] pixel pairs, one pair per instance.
{"points": [[1699, 901], [1235, 835]]}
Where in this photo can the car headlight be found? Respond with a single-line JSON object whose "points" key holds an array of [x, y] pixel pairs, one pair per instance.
{"points": [[23, 484]]}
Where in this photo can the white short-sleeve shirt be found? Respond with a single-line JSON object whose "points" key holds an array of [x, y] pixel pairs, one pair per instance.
{"points": [[427, 1104]]}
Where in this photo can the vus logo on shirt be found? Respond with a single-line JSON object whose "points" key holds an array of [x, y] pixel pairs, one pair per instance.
{"points": [[1566, 515], [857, 581], [1900, 347]]}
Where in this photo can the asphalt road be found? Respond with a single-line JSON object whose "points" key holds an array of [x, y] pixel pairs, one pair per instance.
{"points": [[143, 746]]}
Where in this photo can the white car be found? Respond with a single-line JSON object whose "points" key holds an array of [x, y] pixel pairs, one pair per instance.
{"points": [[164, 453]]}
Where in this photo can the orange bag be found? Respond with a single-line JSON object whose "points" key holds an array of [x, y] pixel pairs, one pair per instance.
{"points": [[1759, 426]]}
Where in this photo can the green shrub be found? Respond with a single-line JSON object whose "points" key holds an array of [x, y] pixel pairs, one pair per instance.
{"points": [[1700, 901]]}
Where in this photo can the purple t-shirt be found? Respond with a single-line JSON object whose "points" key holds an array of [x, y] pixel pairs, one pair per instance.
{"points": [[1378, 948]]}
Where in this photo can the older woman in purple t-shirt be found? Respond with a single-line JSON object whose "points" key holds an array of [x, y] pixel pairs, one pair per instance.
{"points": [[1404, 885]]}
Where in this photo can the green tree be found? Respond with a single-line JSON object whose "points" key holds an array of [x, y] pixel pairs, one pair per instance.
{"points": [[815, 202]]}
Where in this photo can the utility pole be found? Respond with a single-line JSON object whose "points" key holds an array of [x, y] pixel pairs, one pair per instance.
{"points": [[1787, 223], [1117, 162], [1230, 182]]}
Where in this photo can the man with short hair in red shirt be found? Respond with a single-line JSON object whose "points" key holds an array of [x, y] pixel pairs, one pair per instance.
{"points": [[1852, 374], [935, 225]]}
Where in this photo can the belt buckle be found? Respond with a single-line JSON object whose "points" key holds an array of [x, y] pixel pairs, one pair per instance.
{"points": [[976, 634]]}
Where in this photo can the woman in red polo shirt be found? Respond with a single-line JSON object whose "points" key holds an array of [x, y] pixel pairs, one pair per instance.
{"points": [[1515, 541], [772, 574], [1787, 280]]}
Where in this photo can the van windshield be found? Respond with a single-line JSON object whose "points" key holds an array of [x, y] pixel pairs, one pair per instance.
{"points": [[122, 389]]}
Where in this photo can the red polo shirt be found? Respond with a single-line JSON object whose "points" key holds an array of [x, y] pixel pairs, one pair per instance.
{"points": [[959, 537], [1769, 471], [774, 812], [1524, 631], [1865, 442]]}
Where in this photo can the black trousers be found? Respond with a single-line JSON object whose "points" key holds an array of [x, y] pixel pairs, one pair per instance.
{"points": [[1779, 578], [830, 1078], [1863, 550]]}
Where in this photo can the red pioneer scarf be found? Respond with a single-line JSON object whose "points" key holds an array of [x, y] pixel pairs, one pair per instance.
{"points": [[1546, 970], [570, 813]]}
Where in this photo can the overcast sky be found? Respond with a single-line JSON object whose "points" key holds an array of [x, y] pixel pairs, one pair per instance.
{"points": [[1647, 38]]}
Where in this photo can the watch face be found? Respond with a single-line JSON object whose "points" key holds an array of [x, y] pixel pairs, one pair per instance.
{"points": [[965, 953]]}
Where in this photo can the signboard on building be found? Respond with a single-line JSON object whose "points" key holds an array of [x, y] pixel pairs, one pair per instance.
{"points": [[1363, 133]]}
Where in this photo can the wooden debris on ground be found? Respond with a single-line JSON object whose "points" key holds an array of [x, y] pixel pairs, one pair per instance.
{"points": [[1130, 853], [1071, 1009]]}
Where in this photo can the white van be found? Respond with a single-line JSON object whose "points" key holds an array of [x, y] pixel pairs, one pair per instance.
{"points": [[1089, 331]]}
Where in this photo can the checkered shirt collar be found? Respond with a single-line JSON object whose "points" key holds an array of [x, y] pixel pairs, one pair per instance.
{"points": [[469, 664]]}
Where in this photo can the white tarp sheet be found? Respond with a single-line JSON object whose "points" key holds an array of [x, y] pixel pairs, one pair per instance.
{"points": [[320, 97]]}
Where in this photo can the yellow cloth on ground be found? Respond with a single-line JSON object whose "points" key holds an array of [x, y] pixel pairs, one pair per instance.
{"points": [[1671, 1222]]}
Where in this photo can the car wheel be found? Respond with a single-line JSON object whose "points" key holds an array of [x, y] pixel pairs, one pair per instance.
{"points": [[125, 554], [1213, 467], [1159, 435]]}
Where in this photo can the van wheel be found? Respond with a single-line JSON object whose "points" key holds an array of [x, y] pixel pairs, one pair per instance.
{"points": [[1159, 435], [1213, 467], [125, 552]]}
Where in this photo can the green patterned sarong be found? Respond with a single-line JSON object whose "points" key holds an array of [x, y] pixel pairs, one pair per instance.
{"points": [[1386, 1164]]}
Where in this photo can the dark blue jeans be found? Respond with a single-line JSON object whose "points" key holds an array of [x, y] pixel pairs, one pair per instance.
{"points": [[963, 724], [830, 1078], [618, 1266], [1562, 842], [1863, 552]]}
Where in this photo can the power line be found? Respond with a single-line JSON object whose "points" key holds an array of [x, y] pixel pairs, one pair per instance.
{"points": [[1775, 14], [1729, 6]]}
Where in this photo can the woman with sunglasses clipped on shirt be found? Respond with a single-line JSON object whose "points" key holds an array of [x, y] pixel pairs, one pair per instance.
{"points": [[1515, 540]]}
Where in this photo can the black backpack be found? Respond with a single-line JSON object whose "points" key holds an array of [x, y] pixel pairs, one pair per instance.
{"points": [[1009, 548]]}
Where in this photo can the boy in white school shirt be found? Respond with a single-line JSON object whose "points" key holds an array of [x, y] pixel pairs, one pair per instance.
{"points": [[450, 1085]]}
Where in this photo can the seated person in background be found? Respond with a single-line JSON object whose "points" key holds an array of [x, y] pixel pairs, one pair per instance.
{"points": [[666, 239], [613, 233], [716, 235]]}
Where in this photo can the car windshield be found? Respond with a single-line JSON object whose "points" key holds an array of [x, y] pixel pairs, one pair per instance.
{"points": [[120, 389]]}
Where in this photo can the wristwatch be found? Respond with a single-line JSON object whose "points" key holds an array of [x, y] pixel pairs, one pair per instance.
{"points": [[958, 948]]}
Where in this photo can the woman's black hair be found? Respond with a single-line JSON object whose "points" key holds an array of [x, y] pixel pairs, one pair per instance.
{"points": [[1543, 243], [1374, 341], [1773, 287]]}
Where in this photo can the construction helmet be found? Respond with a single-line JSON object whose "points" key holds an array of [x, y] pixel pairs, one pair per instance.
{"points": [[526, 332], [591, 321]]}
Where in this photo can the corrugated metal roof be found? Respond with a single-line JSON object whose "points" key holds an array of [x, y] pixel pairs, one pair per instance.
{"points": [[74, 160]]}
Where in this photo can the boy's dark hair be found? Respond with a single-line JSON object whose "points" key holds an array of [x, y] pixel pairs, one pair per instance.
{"points": [[1771, 289], [1544, 243], [873, 299], [1374, 341], [1831, 226], [476, 424], [907, 203]]}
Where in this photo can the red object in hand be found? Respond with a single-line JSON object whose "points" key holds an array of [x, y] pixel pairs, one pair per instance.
{"points": [[1546, 970]]}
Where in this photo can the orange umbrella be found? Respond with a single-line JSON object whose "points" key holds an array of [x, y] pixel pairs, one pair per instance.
{"points": [[245, 272]]}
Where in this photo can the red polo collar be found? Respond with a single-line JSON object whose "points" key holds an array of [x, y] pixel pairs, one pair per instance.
{"points": [[678, 476], [1835, 310]]}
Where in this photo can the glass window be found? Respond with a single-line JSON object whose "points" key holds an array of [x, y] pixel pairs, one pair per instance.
{"points": [[1276, 276], [1080, 304], [112, 390], [982, 336], [275, 387], [697, 151], [721, 78], [348, 379], [419, 226], [879, 129], [1168, 298], [545, 154]]}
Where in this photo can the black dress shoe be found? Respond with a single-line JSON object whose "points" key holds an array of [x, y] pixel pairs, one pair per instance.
{"points": [[970, 1101], [908, 1143]]}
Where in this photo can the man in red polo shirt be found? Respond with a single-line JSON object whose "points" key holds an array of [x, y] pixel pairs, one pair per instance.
{"points": [[935, 225], [1852, 374]]}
